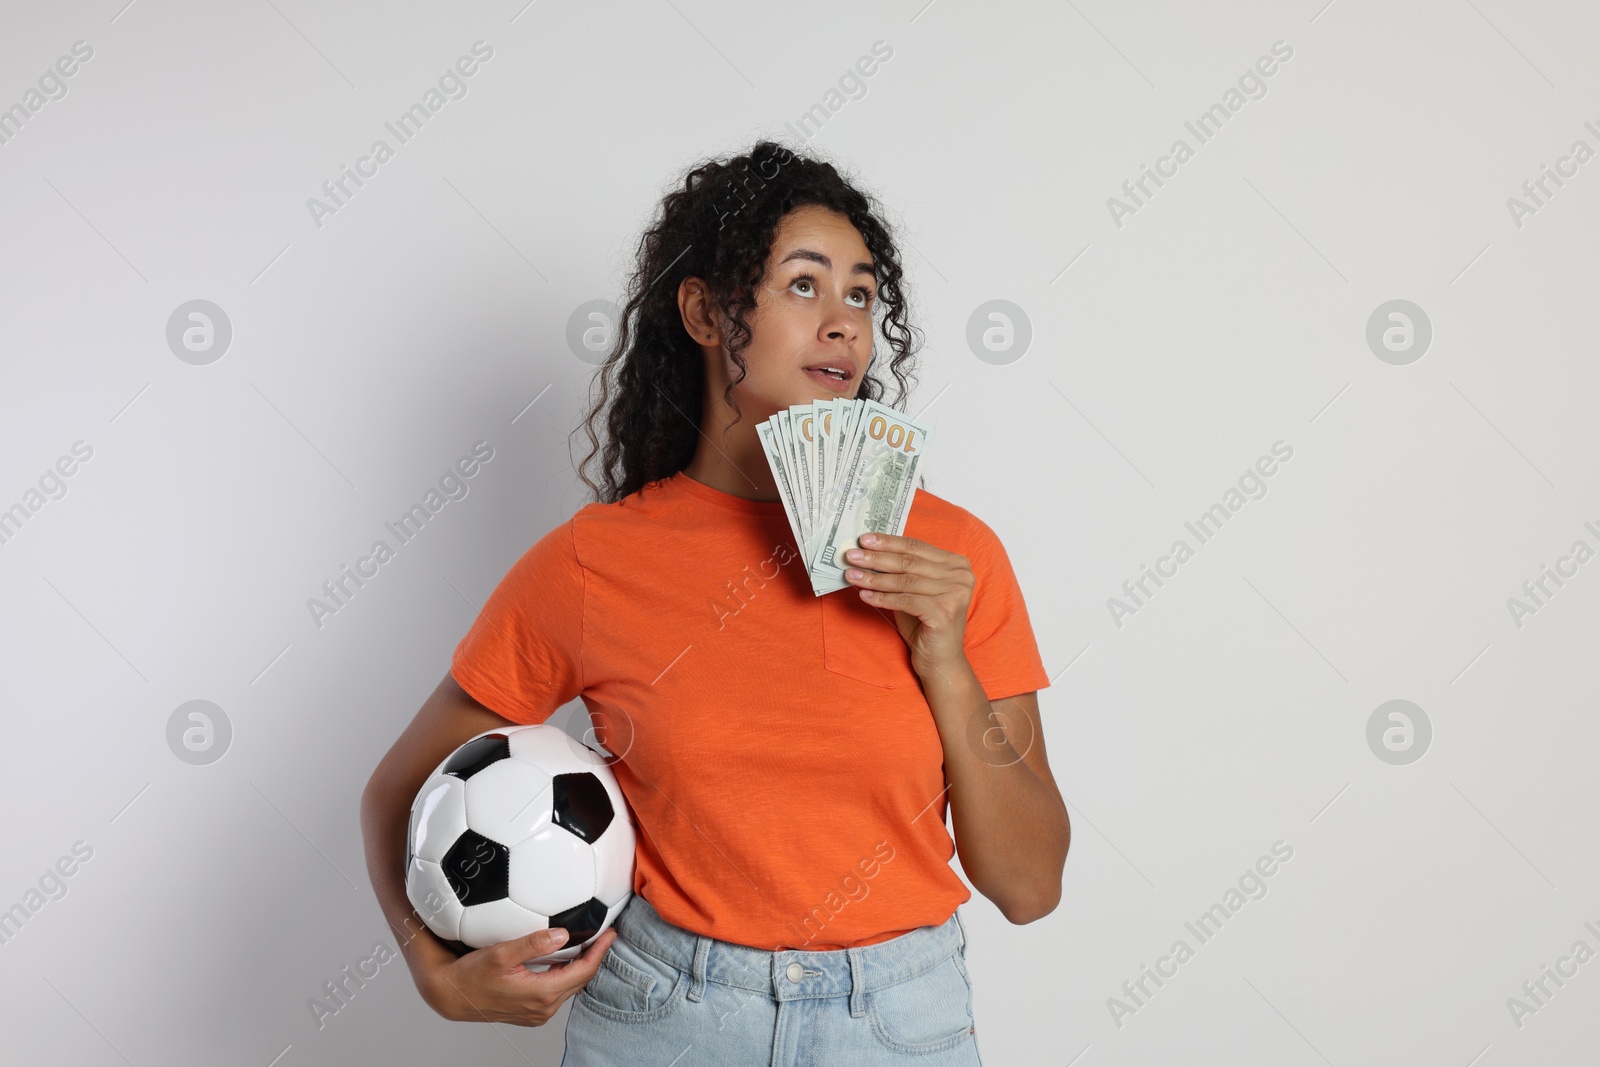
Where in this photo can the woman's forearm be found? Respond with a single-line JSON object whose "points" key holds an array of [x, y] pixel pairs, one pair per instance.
{"points": [[385, 812], [1011, 827], [447, 718]]}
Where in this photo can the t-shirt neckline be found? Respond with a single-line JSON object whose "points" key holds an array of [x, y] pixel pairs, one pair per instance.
{"points": [[683, 483]]}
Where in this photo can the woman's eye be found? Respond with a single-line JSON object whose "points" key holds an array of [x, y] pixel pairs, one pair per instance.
{"points": [[807, 287]]}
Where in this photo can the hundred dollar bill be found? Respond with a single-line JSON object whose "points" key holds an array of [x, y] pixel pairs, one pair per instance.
{"points": [[835, 430], [780, 473], [826, 417], [809, 427], [876, 480], [799, 427], [841, 457]]}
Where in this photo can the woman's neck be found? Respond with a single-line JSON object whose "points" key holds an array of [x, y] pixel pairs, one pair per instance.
{"points": [[736, 475], [729, 457]]}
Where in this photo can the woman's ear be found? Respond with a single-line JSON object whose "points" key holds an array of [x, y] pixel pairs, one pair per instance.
{"points": [[695, 307]]}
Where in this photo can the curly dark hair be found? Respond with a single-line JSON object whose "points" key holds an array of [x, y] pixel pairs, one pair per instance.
{"points": [[718, 226]]}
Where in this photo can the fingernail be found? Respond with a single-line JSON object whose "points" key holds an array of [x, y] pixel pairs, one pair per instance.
{"points": [[869, 539], [558, 936]]}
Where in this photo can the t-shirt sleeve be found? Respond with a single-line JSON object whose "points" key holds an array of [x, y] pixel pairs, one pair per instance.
{"points": [[523, 656], [999, 639]]}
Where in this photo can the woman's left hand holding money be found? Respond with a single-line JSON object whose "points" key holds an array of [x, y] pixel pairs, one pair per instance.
{"points": [[928, 588]]}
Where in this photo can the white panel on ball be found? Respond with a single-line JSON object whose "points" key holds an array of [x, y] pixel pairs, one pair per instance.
{"points": [[552, 871], [508, 801], [500, 920], [429, 892], [613, 860], [438, 817], [553, 749]]}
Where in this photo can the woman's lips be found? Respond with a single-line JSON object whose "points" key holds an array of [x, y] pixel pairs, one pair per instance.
{"points": [[837, 385]]}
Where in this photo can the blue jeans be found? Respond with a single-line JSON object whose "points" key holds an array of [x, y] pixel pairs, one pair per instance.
{"points": [[664, 996]]}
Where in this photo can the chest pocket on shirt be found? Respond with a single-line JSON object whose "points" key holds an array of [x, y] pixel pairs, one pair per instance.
{"points": [[859, 641]]}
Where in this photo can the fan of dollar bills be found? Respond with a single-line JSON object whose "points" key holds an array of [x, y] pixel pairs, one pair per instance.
{"points": [[844, 468]]}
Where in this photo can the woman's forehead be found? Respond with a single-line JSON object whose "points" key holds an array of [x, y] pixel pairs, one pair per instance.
{"points": [[821, 232]]}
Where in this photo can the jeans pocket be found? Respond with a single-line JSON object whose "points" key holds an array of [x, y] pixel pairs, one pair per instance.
{"points": [[928, 1013], [633, 986]]}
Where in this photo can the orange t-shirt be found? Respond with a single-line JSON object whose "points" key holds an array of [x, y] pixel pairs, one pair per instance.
{"points": [[780, 759]]}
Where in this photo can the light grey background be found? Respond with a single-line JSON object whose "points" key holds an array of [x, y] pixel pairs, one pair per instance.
{"points": [[1168, 353]]}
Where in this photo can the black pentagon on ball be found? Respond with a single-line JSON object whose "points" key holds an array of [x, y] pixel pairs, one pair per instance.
{"points": [[479, 870], [581, 805], [580, 923], [477, 754]]}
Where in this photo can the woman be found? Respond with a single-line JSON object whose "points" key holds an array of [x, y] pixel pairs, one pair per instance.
{"points": [[787, 758]]}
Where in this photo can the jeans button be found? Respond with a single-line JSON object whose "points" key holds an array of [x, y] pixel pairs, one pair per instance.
{"points": [[795, 972]]}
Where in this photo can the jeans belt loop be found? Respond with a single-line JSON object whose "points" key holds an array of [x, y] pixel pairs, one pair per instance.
{"points": [[961, 928], [702, 949], [858, 993]]}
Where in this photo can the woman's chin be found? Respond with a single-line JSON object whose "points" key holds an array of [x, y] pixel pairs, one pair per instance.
{"points": [[804, 392]]}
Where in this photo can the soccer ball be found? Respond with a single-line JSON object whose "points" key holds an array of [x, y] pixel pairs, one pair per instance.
{"points": [[518, 830]]}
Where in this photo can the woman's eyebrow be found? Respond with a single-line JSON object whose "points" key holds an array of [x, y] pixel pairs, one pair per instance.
{"points": [[818, 257]]}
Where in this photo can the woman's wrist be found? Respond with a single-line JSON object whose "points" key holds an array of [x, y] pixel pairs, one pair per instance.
{"points": [[429, 960]]}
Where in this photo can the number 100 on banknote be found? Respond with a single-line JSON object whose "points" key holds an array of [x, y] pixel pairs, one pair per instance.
{"points": [[843, 468]]}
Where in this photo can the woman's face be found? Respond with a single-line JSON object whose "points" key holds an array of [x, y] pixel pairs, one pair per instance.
{"points": [[813, 314]]}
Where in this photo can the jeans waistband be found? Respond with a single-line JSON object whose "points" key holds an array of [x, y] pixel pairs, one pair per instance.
{"points": [[790, 974]]}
